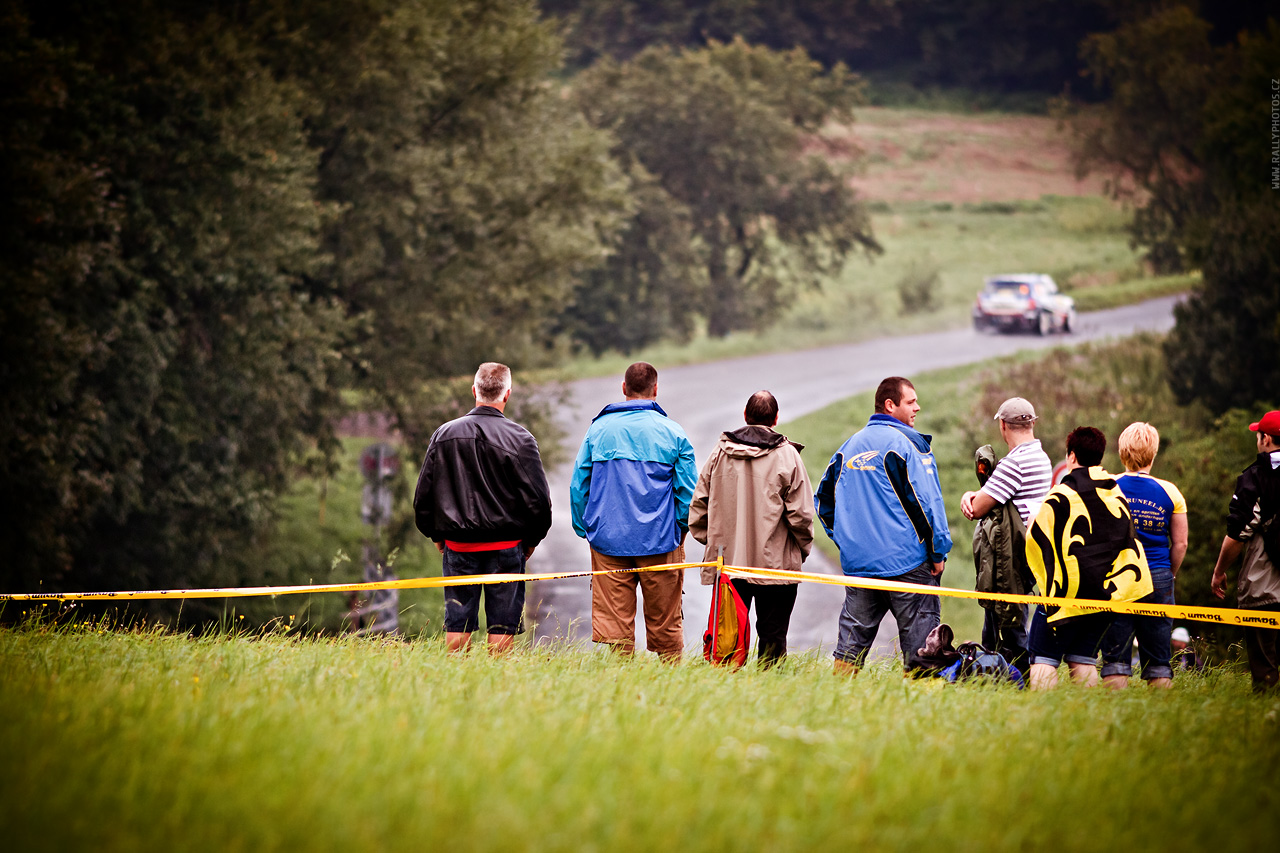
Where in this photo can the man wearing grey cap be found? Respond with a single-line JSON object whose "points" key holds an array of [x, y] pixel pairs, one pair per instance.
{"points": [[1024, 478]]}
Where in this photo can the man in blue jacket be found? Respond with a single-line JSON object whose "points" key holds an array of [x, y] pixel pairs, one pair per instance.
{"points": [[632, 484], [880, 501]]}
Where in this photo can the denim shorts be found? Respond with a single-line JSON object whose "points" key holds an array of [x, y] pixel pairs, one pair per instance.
{"points": [[1075, 640], [1153, 634], [503, 602]]}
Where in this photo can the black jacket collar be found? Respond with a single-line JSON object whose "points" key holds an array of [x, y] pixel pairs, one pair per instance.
{"points": [[759, 436]]}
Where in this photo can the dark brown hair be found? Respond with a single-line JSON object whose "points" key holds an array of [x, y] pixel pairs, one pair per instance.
{"points": [[891, 389], [1088, 444], [640, 379], [762, 409]]}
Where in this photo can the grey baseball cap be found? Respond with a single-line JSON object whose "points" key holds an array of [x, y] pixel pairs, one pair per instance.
{"points": [[1016, 410]]}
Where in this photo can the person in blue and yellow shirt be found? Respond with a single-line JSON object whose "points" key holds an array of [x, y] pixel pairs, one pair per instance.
{"points": [[1160, 519]]}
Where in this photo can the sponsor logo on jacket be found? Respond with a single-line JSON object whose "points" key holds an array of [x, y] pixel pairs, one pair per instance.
{"points": [[862, 462]]}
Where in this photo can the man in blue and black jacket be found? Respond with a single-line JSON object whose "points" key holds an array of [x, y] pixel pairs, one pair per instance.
{"points": [[880, 501], [632, 484]]}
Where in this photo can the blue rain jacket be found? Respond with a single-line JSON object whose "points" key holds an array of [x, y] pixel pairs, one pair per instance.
{"points": [[881, 502], [633, 481]]}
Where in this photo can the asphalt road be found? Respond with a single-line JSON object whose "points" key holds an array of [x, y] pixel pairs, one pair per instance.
{"points": [[707, 399]]}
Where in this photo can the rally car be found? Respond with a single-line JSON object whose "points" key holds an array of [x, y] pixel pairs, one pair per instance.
{"points": [[1023, 302]]}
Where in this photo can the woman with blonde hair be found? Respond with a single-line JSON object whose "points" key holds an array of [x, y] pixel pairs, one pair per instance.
{"points": [[1160, 520]]}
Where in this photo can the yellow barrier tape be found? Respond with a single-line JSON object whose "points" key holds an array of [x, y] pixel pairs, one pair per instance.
{"points": [[252, 591], [1218, 615]]}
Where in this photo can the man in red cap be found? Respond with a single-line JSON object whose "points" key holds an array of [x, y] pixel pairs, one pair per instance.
{"points": [[1253, 528]]}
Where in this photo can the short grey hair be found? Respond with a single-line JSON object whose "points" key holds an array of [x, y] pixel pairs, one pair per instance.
{"points": [[492, 381]]}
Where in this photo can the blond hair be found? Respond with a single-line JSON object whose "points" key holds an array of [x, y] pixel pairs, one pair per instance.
{"points": [[1138, 446]]}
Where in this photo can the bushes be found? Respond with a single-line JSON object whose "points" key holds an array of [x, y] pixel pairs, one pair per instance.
{"points": [[918, 289]]}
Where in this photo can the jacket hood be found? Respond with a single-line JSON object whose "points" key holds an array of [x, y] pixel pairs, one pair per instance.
{"points": [[627, 406], [921, 440], [752, 441]]}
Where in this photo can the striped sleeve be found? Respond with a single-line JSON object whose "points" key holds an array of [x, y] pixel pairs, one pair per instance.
{"points": [[1024, 477], [1005, 480]]}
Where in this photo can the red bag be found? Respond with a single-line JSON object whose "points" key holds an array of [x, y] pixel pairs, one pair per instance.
{"points": [[728, 636]]}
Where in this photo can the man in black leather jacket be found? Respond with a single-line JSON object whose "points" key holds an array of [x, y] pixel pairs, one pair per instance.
{"points": [[482, 497]]}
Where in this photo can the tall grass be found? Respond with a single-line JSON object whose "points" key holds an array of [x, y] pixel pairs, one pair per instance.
{"points": [[139, 740]]}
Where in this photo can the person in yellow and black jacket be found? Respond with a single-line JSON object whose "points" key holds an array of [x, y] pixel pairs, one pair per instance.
{"points": [[1081, 545]]}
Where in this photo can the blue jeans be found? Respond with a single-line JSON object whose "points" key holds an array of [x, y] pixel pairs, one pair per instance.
{"points": [[1075, 640], [1153, 633], [917, 614], [503, 602]]}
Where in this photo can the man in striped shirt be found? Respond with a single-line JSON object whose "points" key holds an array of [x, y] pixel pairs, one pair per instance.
{"points": [[1024, 477]]}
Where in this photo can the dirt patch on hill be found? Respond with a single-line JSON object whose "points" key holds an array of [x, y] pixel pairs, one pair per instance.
{"points": [[917, 156]]}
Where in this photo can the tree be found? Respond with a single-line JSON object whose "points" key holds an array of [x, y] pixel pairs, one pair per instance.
{"points": [[220, 218], [652, 284], [471, 192], [723, 131], [1160, 72], [619, 29], [1181, 128], [990, 45], [165, 368]]}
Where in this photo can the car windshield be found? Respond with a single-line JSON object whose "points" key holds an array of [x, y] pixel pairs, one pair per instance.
{"points": [[1020, 288]]}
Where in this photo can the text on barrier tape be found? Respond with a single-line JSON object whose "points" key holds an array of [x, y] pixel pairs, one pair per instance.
{"points": [[1218, 615]]}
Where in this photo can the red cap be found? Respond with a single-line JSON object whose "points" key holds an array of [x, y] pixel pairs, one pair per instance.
{"points": [[1270, 424]]}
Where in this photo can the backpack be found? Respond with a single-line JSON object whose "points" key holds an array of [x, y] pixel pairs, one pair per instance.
{"points": [[727, 639], [976, 661]]}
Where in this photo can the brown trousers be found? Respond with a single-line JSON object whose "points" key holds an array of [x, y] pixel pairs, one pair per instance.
{"points": [[613, 602]]}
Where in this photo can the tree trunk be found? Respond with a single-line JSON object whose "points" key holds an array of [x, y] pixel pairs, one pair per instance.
{"points": [[723, 307]]}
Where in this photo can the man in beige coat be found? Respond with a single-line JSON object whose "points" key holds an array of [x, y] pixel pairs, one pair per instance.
{"points": [[754, 499]]}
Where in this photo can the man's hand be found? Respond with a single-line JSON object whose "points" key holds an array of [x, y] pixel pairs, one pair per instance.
{"points": [[528, 551], [976, 504], [439, 546], [1219, 583], [1230, 552], [938, 568]]}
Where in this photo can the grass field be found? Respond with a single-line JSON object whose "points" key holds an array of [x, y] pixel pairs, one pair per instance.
{"points": [[115, 741]]}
